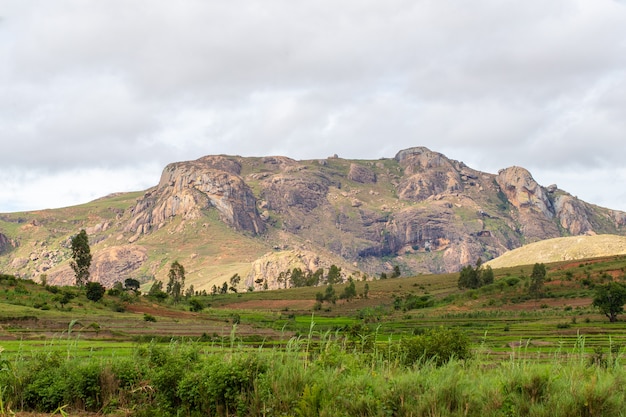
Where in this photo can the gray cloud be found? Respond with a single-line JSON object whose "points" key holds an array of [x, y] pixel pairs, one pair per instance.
{"points": [[114, 89]]}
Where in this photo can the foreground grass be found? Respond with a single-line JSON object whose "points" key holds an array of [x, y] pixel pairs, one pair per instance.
{"points": [[328, 375]]}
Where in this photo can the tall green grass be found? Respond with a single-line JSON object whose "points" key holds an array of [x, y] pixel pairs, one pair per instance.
{"points": [[320, 374]]}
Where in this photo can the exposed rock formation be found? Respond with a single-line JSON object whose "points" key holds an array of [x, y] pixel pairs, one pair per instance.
{"points": [[359, 173], [419, 210], [426, 174], [573, 215], [5, 244], [535, 211], [266, 271], [186, 188], [109, 265]]}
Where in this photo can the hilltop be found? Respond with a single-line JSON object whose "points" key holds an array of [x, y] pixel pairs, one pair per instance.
{"points": [[562, 249], [222, 215]]}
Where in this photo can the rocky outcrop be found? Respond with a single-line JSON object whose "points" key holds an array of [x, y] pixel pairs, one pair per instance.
{"points": [[6, 244], [535, 212], [117, 263], [426, 174], [361, 174], [285, 192], [108, 266], [268, 272], [419, 210], [573, 215], [524, 192], [187, 188]]}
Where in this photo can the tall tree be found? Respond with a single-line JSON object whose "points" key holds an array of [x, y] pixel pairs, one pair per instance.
{"points": [[334, 275], [610, 299], [475, 277], [537, 279], [81, 258], [176, 283]]}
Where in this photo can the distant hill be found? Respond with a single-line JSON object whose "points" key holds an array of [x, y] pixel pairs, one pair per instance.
{"points": [[562, 249], [256, 217]]}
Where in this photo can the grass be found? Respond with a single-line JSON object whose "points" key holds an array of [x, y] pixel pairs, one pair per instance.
{"points": [[530, 355]]}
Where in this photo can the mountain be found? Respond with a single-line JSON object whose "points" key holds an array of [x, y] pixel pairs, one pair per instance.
{"points": [[256, 217]]}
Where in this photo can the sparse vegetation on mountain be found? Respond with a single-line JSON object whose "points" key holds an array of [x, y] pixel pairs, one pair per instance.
{"points": [[418, 212]]}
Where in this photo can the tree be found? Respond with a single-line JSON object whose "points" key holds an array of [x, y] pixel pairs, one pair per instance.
{"points": [[349, 292], [95, 291], [131, 284], [195, 305], [610, 299], [396, 272], [334, 275], [176, 283], [537, 279], [156, 291], [190, 292], [475, 277], [81, 258], [234, 281]]}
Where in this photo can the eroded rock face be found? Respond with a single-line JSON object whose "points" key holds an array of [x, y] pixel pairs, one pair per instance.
{"points": [[304, 192], [359, 173], [108, 266], [426, 174], [572, 215], [266, 271], [5, 244], [523, 191], [187, 188]]}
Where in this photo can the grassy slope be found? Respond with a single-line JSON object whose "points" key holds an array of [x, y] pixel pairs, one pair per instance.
{"points": [[562, 249], [498, 317]]}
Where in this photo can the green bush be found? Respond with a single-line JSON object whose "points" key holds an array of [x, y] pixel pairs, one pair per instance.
{"points": [[438, 345]]}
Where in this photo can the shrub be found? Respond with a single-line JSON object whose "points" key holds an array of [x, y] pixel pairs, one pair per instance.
{"points": [[438, 345], [94, 291]]}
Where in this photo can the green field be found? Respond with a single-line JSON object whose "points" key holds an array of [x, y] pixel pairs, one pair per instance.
{"points": [[281, 353]]}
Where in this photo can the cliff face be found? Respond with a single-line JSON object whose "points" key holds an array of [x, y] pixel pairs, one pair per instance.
{"points": [[189, 187], [220, 214]]}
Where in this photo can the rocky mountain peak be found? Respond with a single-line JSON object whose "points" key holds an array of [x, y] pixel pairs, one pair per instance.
{"points": [[523, 191], [186, 188]]}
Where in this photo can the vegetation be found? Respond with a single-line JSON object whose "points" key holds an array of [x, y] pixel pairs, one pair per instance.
{"points": [[81, 257], [610, 299], [94, 291], [412, 346], [419, 376], [176, 283], [537, 279], [475, 277]]}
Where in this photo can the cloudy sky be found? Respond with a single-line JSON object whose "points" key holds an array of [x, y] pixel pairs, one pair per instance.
{"points": [[98, 96]]}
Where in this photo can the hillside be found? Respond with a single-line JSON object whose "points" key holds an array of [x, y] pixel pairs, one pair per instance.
{"points": [[562, 249], [257, 217]]}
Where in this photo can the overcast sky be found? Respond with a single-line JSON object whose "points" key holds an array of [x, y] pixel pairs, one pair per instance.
{"points": [[98, 96]]}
